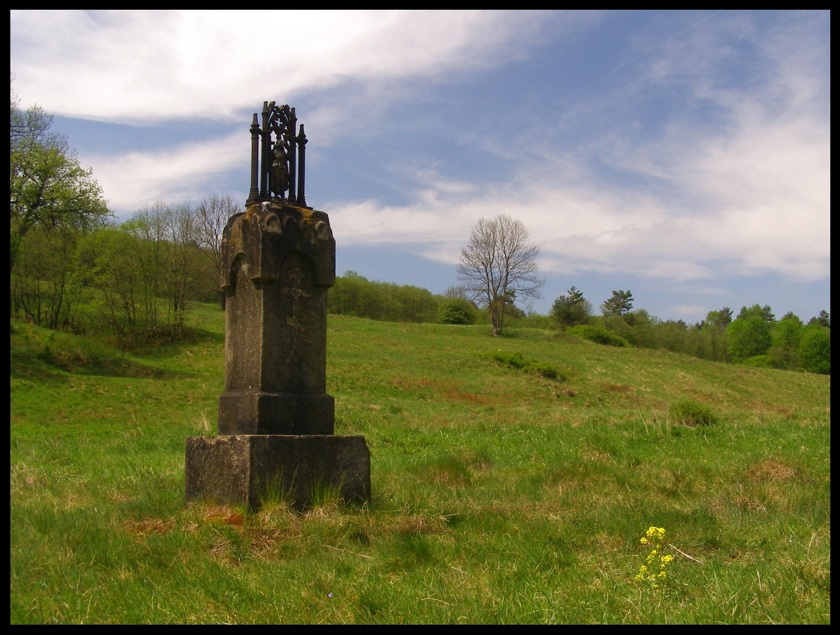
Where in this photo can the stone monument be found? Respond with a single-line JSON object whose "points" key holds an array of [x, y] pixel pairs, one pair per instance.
{"points": [[276, 421]]}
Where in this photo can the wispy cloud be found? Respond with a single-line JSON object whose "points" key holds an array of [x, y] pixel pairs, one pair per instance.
{"points": [[143, 66]]}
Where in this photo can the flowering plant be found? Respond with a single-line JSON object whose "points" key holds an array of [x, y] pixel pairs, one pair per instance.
{"points": [[653, 571]]}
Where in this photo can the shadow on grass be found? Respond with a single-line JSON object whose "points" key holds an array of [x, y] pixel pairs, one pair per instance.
{"points": [[41, 355], [48, 364]]}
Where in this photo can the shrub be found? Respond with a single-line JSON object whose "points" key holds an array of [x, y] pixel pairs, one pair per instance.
{"points": [[456, 311], [515, 360], [597, 335], [691, 413], [520, 362], [548, 371], [759, 361]]}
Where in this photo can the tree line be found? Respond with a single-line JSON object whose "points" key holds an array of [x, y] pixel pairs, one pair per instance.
{"points": [[74, 267], [498, 266], [753, 337], [132, 281]]}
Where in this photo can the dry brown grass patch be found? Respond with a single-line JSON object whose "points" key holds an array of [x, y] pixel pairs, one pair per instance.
{"points": [[770, 472]]}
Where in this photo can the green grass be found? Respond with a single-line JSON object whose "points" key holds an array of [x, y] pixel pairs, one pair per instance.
{"points": [[501, 494]]}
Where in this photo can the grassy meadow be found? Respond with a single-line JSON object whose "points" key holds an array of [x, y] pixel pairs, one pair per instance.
{"points": [[513, 479]]}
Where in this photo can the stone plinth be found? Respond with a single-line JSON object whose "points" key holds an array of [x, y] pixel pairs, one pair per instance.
{"points": [[250, 469]]}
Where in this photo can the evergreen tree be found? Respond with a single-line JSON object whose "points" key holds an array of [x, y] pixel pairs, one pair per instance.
{"points": [[619, 305], [571, 309]]}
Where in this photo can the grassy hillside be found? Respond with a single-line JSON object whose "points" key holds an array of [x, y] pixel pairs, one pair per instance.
{"points": [[512, 478]]}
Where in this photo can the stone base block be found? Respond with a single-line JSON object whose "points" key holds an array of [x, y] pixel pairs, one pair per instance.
{"points": [[246, 469], [253, 412]]}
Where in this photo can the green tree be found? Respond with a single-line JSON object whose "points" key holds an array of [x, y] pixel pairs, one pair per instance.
{"points": [[784, 350], [344, 297], [719, 320], [183, 237], [353, 294], [672, 335], [815, 349], [571, 309], [748, 337], [44, 283], [108, 262], [499, 265], [415, 304], [756, 310], [145, 271], [149, 249], [710, 340], [619, 305], [823, 319], [47, 186], [641, 328]]}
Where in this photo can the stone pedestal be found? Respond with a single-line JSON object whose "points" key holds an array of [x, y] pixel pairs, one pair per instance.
{"points": [[278, 261], [251, 468]]}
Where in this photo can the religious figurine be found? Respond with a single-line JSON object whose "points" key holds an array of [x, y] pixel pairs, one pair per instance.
{"points": [[278, 174]]}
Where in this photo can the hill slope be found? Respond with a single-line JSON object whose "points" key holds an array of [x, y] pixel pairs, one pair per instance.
{"points": [[512, 479]]}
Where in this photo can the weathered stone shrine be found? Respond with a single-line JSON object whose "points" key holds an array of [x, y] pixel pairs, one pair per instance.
{"points": [[276, 421]]}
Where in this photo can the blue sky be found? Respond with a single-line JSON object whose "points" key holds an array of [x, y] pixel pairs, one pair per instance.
{"points": [[681, 155]]}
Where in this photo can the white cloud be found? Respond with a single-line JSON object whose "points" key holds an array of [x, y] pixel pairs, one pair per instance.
{"points": [[747, 194], [133, 180], [142, 66]]}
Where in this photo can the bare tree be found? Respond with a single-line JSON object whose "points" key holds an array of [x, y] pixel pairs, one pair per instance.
{"points": [[213, 214], [183, 237], [499, 265]]}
